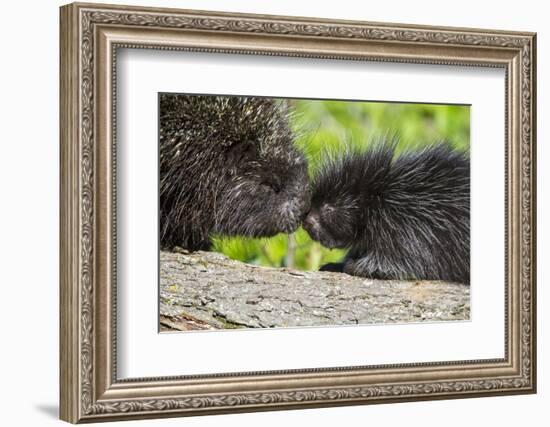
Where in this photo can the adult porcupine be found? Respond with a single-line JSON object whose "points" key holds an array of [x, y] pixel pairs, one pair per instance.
{"points": [[228, 165], [404, 217]]}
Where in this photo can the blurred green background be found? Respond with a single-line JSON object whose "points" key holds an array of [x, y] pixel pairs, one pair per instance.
{"points": [[327, 125]]}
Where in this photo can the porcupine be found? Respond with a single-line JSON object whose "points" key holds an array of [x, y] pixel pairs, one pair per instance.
{"points": [[401, 217], [228, 166]]}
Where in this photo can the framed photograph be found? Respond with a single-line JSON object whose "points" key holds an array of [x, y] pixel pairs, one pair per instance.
{"points": [[266, 212]]}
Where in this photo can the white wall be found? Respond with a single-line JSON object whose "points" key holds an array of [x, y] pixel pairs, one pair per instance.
{"points": [[29, 170]]}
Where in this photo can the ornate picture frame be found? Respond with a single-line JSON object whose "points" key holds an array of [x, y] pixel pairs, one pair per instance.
{"points": [[90, 37]]}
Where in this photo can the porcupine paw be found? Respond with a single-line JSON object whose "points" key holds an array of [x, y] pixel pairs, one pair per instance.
{"points": [[336, 267], [365, 269]]}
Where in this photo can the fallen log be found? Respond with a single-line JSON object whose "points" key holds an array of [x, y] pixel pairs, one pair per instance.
{"points": [[207, 290]]}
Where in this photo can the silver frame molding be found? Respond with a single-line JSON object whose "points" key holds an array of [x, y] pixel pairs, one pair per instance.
{"points": [[90, 36]]}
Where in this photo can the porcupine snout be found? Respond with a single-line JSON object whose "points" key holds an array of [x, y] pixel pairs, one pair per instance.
{"points": [[312, 225]]}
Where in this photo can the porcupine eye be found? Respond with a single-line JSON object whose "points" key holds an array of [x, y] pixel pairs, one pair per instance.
{"points": [[327, 212], [328, 209], [272, 186], [242, 151], [336, 225]]}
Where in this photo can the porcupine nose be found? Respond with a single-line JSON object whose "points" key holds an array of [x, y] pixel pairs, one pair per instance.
{"points": [[306, 209], [311, 224], [306, 204]]}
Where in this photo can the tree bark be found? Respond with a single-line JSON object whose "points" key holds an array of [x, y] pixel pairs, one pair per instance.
{"points": [[206, 290]]}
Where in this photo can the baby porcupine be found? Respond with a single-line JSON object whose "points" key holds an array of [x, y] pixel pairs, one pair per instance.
{"points": [[228, 165], [401, 217]]}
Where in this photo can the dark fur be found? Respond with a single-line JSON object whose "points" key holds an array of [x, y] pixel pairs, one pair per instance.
{"points": [[404, 217], [228, 166]]}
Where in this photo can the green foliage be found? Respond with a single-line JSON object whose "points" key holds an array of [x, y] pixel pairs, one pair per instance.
{"points": [[309, 255], [327, 125]]}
